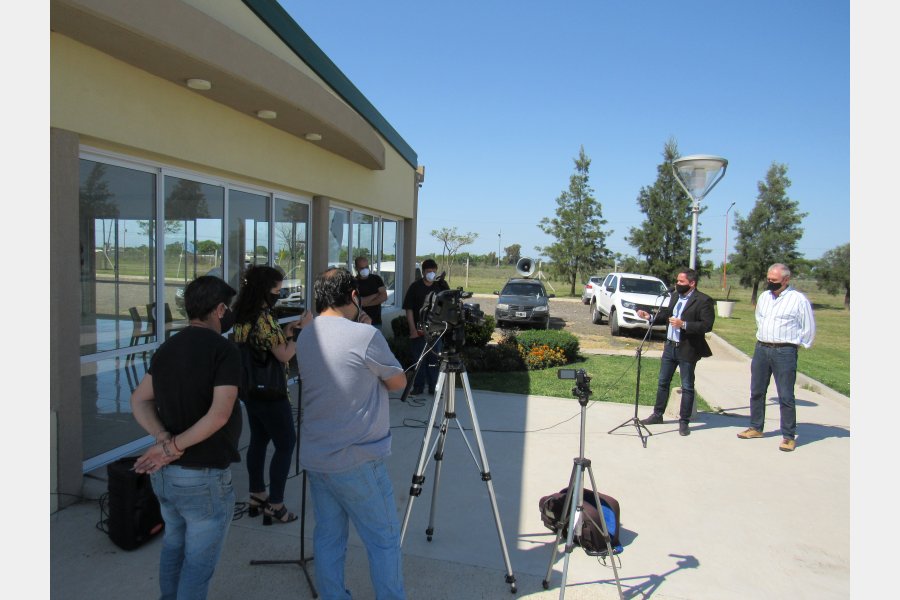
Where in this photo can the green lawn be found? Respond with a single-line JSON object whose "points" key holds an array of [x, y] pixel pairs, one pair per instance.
{"points": [[612, 380]]}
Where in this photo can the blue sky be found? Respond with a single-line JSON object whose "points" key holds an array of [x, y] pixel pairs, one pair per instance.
{"points": [[497, 97]]}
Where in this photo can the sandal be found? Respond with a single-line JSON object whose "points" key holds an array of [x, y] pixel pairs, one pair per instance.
{"points": [[256, 506], [282, 515]]}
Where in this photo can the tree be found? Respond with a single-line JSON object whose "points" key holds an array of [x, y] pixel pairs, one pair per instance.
{"points": [[513, 253], [580, 246], [452, 241], [664, 237], [769, 234], [832, 272]]}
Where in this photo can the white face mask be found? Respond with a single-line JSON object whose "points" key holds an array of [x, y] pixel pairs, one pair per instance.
{"points": [[364, 272], [430, 275]]}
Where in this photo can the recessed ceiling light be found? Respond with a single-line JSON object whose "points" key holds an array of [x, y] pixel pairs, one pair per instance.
{"points": [[313, 137], [266, 114], [199, 84]]}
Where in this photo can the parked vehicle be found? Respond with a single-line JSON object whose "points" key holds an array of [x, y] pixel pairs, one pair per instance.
{"points": [[523, 302], [621, 295], [590, 287]]}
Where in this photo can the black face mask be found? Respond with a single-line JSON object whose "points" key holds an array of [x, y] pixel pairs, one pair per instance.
{"points": [[227, 321], [682, 289], [272, 299], [773, 286]]}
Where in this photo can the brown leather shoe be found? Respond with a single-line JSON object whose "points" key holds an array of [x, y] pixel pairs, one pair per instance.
{"points": [[750, 433], [787, 445]]}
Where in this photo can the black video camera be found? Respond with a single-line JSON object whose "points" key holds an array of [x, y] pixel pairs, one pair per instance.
{"points": [[445, 313]]}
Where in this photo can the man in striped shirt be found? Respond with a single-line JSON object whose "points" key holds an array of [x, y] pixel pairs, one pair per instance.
{"points": [[784, 322]]}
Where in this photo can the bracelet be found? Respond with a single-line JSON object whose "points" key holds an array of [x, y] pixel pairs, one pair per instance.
{"points": [[176, 446]]}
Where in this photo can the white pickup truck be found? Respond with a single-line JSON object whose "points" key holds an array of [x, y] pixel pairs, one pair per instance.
{"points": [[621, 295]]}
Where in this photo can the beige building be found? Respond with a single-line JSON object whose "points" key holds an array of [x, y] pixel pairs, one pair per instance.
{"points": [[192, 137]]}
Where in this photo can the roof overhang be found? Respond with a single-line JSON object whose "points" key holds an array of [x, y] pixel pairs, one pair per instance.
{"points": [[177, 42]]}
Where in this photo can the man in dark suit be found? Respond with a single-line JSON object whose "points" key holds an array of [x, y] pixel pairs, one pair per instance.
{"points": [[690, 315]]}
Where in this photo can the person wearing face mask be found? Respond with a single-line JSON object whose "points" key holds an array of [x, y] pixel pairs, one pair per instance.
{"points": [[690, 316], [784, 322], [372, 292], [412, 303], [188, 402], [268, 421], [346, 373]]}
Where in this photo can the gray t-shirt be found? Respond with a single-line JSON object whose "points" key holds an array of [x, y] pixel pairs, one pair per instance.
{"points": [[345, 404]]}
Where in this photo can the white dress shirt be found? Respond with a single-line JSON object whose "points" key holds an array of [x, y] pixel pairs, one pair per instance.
{"points": [[787, 319], [674, 333]]}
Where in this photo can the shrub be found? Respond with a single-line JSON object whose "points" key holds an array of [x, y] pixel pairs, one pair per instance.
{"points": [[478, 336], [493, 357], [564, 341]]}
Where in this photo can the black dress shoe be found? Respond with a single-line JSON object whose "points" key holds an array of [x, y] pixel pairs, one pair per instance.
{"points": [[654, 419], [683, 429]]}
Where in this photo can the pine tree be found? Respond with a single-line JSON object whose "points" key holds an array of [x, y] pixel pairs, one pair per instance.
{"points": [[580, 247], [769, 234], [664, 237]]}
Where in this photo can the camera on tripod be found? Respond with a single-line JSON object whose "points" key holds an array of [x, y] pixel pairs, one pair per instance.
{"points": [[445, 314]]}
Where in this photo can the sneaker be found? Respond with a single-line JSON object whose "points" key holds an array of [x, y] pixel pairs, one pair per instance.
{"points": [[683, 429], [431, 391], [416, 391], [787, 445], [654, 419], [750, 433]]}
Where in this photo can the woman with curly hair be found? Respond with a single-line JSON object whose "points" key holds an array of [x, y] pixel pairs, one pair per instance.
{"points": [[268, 420]]}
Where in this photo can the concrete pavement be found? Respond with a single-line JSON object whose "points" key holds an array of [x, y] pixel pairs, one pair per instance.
{"points": [[705, 516]]}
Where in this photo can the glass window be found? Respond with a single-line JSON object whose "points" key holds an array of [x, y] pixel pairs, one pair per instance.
{"points": [[117, 211], [248, 233], [291, 224], [387, 263], [194, 217], [338, 238], [364, 237]]}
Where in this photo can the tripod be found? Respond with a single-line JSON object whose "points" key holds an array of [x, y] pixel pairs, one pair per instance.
{"points": [[640, 427], [445, 391], [301, 562], [572, 512]]}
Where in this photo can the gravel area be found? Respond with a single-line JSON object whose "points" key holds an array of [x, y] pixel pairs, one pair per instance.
{"points": [[569, 314]]}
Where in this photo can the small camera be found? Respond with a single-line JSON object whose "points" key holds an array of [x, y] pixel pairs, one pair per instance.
{"points": [[581, 378]]}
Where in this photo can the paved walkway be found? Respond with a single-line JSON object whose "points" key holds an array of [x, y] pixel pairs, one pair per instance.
{"points": [[707, 516]]}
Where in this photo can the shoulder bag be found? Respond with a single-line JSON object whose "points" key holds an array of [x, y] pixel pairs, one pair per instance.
{"points": [[262, 375]]}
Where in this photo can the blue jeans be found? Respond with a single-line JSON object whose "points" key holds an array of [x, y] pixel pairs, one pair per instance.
{"points": [[782, 363], [270, 421], [429, 370], [197, 506], [364, 495], [666, 371]]}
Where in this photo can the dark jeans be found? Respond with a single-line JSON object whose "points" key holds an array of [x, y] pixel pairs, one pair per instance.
{"points": [[270, 421], [782, 363], [429, 369], [666, 371]]}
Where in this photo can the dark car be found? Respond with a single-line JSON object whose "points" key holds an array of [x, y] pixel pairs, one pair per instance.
{"points": [[523, 302]]}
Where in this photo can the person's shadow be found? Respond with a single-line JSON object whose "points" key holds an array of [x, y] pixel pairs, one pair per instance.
{"points": [[807, 433]]}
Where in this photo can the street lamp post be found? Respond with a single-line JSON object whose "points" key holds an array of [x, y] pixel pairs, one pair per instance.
{"points": [[725, 257], [498, 247], [698, 174]]}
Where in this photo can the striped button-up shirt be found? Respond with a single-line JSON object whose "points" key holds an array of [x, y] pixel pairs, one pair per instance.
{"points": [[787, 319]]}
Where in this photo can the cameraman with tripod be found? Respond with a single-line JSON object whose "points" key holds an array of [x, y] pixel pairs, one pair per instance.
{"points": [[413, 302]]}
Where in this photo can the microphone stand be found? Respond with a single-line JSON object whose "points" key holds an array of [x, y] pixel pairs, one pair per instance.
{"points": [[635, 421]]}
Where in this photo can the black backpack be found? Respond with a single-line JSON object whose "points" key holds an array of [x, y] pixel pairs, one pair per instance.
{"points": [[590, 538]]}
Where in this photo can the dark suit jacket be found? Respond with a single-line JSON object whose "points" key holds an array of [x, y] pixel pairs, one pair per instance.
{"points": [[699, 315]]}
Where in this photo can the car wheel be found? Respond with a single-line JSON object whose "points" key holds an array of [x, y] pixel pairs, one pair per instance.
{"points": [[596, 315], [585, 301], [613, 322]]}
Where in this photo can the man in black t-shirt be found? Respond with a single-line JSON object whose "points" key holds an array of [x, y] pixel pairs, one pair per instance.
{"points": [[371, 290], [188, 402], [412, 302]]}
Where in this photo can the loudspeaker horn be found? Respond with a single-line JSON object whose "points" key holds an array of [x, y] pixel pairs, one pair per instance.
{"points": [[525, 266]]}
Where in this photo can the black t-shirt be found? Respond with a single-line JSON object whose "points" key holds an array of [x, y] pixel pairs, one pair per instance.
{"points": [[416, 293], [367, 287], [185, 369]]}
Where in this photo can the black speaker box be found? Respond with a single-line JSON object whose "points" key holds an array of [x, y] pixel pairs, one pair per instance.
{"points": [[134, 515]]}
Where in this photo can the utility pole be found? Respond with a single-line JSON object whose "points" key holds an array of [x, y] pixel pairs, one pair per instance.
{"points": [[498, 247]]}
